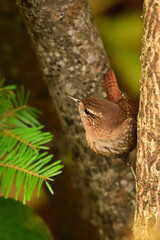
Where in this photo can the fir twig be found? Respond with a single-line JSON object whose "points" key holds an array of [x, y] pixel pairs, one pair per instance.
{"points": [[21, 144]]}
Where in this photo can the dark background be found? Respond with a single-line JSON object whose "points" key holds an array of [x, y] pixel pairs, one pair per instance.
{"points": [[120, 25]]}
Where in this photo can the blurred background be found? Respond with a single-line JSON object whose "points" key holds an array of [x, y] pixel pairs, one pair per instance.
{"points": [[120, 26]]}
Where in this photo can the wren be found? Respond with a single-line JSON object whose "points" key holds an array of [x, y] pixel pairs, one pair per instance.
{"points": [[110, 124]]}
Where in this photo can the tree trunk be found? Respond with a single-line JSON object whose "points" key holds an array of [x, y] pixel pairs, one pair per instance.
{"points": [[147, 216], [73, 61]]}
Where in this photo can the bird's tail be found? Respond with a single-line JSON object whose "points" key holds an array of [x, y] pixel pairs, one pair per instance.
{"points": [[111, 86]]}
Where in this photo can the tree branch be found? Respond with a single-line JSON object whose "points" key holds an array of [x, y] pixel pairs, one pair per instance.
{"points": [[73, 60]]}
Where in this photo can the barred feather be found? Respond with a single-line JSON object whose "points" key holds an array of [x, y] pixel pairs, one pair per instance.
{"points": [[111, 86]]}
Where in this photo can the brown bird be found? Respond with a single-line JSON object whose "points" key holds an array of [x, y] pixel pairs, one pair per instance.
{"points": [[110, 124]]}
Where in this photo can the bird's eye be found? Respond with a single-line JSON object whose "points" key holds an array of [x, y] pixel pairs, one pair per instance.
{"points": [[86, 111]]}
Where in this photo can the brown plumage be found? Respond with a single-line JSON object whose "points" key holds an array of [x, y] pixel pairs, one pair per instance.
{"points": [[111, 87], [111, 123], [115, 95]]}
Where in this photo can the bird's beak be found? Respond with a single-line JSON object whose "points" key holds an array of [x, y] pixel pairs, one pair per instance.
{"points": [[74, 99]]}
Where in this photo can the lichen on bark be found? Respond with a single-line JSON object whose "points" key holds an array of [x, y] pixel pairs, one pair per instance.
{"points": [[73, 61]]}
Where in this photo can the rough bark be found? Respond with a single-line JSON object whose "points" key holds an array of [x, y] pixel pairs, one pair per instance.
{"points": [[73, 61], [147, 216]]}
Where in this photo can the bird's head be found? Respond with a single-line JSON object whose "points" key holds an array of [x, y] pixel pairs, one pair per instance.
{"points": [[97, 113]]}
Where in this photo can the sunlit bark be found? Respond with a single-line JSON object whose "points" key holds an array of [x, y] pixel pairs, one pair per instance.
{"points": [[147, 216]]}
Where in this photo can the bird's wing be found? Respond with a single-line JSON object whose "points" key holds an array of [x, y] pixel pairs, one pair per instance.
{"points": [[129, 107]]}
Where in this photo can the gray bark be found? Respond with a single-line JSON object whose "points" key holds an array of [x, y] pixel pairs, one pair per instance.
{"points": [[147, 216], [73, 61]]}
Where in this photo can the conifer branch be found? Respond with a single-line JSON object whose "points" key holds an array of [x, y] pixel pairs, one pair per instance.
{"points": [[7, 132], [21, 143], [25, 171]]}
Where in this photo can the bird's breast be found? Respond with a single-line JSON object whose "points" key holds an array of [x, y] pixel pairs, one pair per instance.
{"points": [[113, 143], [102, 146]]}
